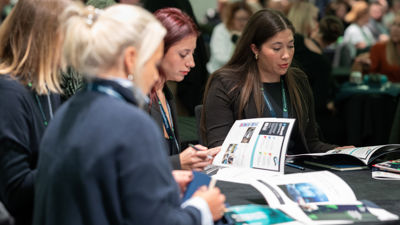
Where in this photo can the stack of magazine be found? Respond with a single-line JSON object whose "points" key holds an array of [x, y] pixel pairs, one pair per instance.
{"points": [[389, 170]]}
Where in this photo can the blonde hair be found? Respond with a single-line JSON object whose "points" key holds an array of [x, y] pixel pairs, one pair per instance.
{"points": [[392, 56], [301, 15], [30, 44], [95, 39]]}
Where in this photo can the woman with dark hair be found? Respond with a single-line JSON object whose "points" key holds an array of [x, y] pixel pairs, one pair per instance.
{"points": [[258, 81], [180, 43]]}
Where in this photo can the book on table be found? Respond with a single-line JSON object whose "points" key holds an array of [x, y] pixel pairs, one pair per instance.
{"points": [[318, 198], [349, 158], [253, 148], [388, 170]]}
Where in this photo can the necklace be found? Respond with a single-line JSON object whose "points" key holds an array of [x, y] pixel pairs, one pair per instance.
{"points": [[45, 121]]}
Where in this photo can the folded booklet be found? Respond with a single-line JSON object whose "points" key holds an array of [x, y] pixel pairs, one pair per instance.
{"points": [[254, 148], [318, 198], [349, 158]]}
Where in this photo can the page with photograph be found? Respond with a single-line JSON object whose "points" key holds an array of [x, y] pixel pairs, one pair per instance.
{"points": [[256, 143], [259, 143], [321, 197]]}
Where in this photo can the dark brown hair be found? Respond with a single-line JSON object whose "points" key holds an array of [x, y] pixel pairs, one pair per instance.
{"points": [[331, 28], [242, 67]]}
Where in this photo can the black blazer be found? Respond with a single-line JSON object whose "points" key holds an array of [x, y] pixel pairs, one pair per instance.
{"points": [[155, 113]]}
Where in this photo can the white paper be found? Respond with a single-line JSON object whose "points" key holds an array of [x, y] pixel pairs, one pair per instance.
{"points": [[259, 143]]}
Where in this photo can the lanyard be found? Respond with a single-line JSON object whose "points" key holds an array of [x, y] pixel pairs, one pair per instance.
{"points": [[284, 102], [169, 128], [105, 90]]}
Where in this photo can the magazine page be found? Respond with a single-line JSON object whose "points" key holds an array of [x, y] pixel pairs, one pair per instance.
{"points": [[301, 188], [314, 198], [256, 143], [364, 154]]}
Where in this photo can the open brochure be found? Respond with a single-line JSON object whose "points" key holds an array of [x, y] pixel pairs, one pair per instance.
{"points": [[318, 198], [349, 158], [254, 148]]}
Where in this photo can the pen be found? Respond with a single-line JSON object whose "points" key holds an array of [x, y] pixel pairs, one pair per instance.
{"points": [[295, 166], [211, 185], [195, 148]]}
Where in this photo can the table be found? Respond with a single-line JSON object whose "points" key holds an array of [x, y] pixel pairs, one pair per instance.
{"points": [[367, 112], [384, 193]]}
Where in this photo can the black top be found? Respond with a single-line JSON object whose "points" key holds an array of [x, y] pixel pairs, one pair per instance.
{"points": [[318, 70], [222, 110], [275, 91], [103, 161], [21, 129], [155, 113]]}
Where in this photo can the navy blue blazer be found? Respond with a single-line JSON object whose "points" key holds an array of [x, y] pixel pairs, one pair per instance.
{"points": [[103, 161]]}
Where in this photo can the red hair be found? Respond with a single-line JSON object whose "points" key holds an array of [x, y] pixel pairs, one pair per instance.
{"points": [[179, 25]]}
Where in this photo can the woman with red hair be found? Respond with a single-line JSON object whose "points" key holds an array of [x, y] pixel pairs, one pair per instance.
{"points": [[179, 46]]}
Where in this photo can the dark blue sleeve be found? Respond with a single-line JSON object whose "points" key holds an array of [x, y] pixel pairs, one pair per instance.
{"points": [[149, 192], [16, 160]]}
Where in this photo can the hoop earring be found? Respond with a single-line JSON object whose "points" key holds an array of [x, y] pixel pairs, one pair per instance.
{"points": [[256, 56], [130, 77]]}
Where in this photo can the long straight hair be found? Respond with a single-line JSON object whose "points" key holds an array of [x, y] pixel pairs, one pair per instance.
{"points": [[30, 44], [243, 71]]}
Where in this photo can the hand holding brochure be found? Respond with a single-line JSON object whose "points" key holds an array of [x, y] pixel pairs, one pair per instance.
{"points": [[254, 147]]}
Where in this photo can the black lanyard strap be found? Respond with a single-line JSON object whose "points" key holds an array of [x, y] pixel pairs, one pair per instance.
{"points": [[169, 128]]}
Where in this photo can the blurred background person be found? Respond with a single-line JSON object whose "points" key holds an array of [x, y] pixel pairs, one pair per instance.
{"points": [[375, 24], [357, 35], [180, 43], [309, 56], [226, 34], [384, 57], [393, 8], [304, 17], [29, 86], [339, 8]]}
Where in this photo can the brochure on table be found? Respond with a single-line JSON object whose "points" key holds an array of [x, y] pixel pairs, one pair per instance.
{"points": [[254, 148], [317, 197], [361, 155]]}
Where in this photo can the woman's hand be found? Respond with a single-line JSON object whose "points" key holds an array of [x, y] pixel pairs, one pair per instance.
{"points": [[192, 159], [183, 178], [215, 200]]}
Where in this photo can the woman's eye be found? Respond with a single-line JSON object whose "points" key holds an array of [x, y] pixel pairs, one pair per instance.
{"points": [[291, 46], [276, 49]]}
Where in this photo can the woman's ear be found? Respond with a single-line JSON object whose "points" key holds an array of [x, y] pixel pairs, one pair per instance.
{"points": [[129, 60], [254, 49]]}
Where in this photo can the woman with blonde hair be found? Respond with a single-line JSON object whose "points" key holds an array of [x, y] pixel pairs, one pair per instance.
{"points": [[304, 16], [118, 172], [29, 80]]}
